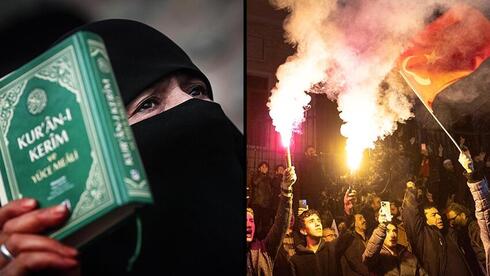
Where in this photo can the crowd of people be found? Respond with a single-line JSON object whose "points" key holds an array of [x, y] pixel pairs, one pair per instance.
{"points": [[438, 226]]}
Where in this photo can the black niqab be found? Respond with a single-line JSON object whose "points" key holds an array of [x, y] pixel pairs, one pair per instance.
{"points": [[140, 55], [193, 157]]}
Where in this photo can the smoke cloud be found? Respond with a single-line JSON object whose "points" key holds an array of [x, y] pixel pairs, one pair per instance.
{"points": [[347, 51]]}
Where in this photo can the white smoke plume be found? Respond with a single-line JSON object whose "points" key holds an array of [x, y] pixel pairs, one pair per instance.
{"points": [[347, 50]]}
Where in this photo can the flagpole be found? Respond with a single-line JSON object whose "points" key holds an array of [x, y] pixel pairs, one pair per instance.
{"points": [[430, 111]]}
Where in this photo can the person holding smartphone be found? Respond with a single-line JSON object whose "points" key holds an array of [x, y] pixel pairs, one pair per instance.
{"points": [[385, 256]]}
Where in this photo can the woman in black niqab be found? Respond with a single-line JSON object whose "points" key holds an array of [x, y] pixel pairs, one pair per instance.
{"points": [[193, 157]]}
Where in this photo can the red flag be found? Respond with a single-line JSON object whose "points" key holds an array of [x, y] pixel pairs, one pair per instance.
{"points": [[448, 49]]}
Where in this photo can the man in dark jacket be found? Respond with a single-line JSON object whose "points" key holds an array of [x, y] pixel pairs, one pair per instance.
{"points": [[317, 257], [312, 178], [468, 234], [384, 256], [261, 201], [435, 248], [262, 253], [351, 246]]}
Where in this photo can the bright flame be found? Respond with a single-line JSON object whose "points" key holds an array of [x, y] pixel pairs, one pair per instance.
{"points": [[347, 50], [286, 138]]}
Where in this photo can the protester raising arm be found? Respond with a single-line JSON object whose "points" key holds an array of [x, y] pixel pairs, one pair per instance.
{"points": [[412, 218], [371, 254], [261, 254], [276, 234], [479, 190]]}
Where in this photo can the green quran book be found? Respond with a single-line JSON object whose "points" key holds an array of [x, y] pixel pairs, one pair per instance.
{"points": [[65, 139]]}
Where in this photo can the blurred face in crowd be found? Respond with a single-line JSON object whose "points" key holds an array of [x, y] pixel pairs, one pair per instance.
{"points": [[360, 223], [394, 210], [433, 217], [264, 168], [448, 165], [280, 170], [313, 227], [376, 203], [310, 151], [391, 239], [456, 220], [342, 227], [250, 226], [329, 234]]}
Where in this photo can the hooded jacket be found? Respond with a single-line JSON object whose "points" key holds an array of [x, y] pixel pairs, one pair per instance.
{"points": [[320, 263]]}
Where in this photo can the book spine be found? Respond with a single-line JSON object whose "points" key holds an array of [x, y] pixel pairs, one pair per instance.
{"points": [[132, 182]]}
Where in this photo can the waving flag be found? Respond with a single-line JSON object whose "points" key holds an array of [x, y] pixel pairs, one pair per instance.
{"points": [[448, 49]]}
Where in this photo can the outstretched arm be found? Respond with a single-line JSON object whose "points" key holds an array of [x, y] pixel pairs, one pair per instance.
{"points": [[278, 230], [373, 247], [479, 190], [412, 217]]}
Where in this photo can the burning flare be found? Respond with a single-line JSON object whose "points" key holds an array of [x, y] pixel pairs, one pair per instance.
{"points": [[346, 49]]}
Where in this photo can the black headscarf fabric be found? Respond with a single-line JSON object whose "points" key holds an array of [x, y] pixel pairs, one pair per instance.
{"points": [[140, 55], [193, 156]]}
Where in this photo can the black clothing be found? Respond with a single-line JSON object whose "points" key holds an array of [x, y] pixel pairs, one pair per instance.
{"points": [[350, 248], [464, 242], [437, 251], [140, 55], [261, 203], [196, 181], [276, 190], [308, 263], [311, 180]]}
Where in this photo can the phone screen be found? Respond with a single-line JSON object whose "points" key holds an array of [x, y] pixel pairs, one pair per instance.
{"points": [[303, 204], [385, 210]]}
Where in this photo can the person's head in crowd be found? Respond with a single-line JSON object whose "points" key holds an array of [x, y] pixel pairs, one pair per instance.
{"points": [[310, 151], [329, 234], [310, 226], [448, 165], [279, 169], [432, 216], [424, 151], [395, 208], [360, 224], [250, 225], [391, 239], [341, 225], [374, 201], [457, 215], [263, 167]]}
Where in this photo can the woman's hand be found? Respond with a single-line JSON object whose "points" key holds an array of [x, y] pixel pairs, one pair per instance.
{"points": [[21, 225]]}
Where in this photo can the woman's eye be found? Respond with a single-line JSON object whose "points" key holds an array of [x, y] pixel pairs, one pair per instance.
{"points": [[196, 90], [147, 105]]}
